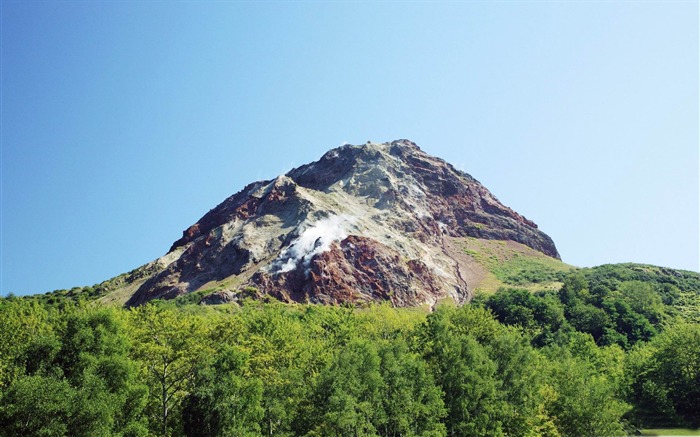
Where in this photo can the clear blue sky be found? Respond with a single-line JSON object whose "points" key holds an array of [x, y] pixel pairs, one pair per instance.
{"points": [[124, 122]]}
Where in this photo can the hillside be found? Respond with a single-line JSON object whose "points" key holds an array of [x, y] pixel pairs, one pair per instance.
{"points": [[583, 360], [508, 263], [365, 223], [444, 313]]}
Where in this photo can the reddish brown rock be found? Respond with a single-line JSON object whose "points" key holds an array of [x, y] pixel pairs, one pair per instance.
{"points": [[363, 223], [357, 270]]}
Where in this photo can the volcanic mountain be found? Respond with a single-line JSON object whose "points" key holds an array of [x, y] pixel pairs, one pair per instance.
{"points": [[372, 222]]}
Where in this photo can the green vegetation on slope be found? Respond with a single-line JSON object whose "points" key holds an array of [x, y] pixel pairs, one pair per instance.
{"points": [[679, 290], [631, 307], [581, 361], [670, 432], [112, 291], [555, 351], [510, 263]]}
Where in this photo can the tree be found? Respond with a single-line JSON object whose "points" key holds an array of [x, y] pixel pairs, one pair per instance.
{"points": [[411, 401], [648, 393], [520, 380], [350, 393], [463, 370], [675, 369], [630, 325], [575, 289], [36, 406], [168, 344], [584, 400], [81, 377], [225, 401], [588, 318], [94, 358], [541, 316], [643, 299], [21, 322], [287, 348]]}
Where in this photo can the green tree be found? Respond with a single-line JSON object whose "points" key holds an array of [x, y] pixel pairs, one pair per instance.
{"points": [[287, 347], [94, 357], [643, 299], [541, 316], [675, 369], [628, 326], [411, 401], [520, 380], [575, 289], [463, 370], [37, 406], [584, 401], [647, 391], [21, 322], [86, 375], [588, 318], [168, 344], [225, 401], [350, 393]]}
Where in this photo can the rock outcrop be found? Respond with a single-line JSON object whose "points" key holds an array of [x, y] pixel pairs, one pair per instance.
{"points": [[364, 223]]}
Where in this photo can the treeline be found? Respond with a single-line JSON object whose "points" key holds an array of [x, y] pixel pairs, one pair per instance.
{"points": [[588, 360], [644, 320]]}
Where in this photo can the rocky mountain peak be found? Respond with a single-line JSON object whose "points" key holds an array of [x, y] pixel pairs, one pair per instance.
{"points": [[376, 221], [368, 164]]}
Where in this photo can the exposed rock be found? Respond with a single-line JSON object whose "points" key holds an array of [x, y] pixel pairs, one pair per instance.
{"points": [[356, 270], [219, 297], [363, 223]]}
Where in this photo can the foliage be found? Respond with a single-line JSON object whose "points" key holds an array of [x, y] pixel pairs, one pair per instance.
{"points": [[632, 306], [608, 353], [224, 401], [514, 264], [581, 391], [21, 323], [76, 378], [169, 345], [539, 315], [665, 377], [679, 290]]}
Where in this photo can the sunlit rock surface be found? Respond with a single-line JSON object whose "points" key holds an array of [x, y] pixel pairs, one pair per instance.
{"points": [[375, 222]]}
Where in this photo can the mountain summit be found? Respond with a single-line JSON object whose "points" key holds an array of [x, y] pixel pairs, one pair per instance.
{"points": [[364, 223]]}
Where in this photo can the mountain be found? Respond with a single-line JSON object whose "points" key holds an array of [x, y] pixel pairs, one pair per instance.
{"points": [[367, 222], [377, 222]]}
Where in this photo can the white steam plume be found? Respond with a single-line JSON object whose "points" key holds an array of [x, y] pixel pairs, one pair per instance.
{"points": [[315, 239]]}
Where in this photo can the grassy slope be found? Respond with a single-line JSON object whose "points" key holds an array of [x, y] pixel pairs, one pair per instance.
{"points": [[510, 264], [670, 432], [513, 264], [680, 289], [114, 291], [504, 264]]}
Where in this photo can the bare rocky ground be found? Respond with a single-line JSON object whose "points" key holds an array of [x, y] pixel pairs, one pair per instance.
{"points": [[364, 223]]}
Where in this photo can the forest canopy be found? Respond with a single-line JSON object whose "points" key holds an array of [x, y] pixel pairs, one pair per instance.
{"points": [[607, 354]]}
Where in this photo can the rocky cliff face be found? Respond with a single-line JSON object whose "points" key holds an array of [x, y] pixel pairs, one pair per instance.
{"points": [[363, 223]]}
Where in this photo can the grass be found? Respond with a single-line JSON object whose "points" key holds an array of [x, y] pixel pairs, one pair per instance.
{"points": [[514, 264], [670, 432]]}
